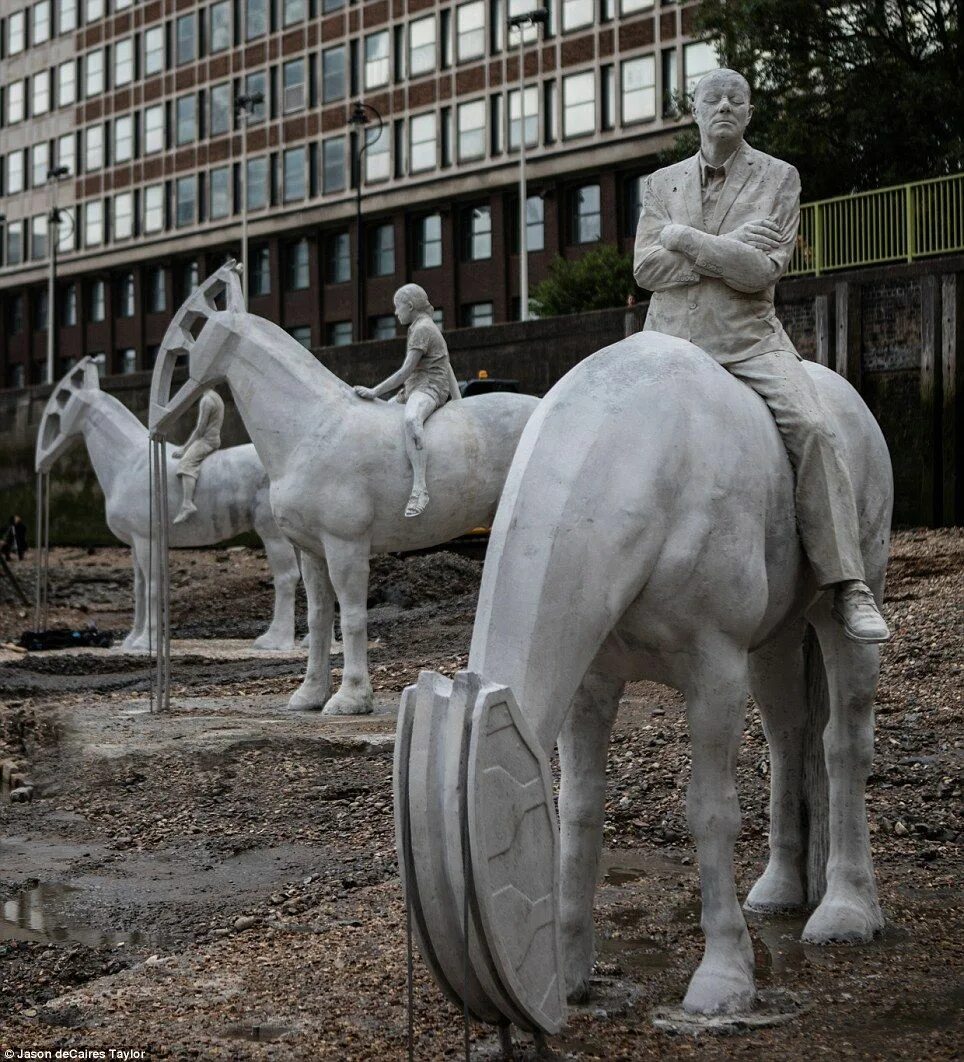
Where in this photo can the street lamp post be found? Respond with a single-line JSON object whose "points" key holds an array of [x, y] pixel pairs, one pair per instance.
{"points": [[359, 119], [54, 176], [519, 23], [245, 105]]}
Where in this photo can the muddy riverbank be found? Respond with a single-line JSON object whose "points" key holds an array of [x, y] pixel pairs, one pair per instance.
{"points": [[221, 882]]}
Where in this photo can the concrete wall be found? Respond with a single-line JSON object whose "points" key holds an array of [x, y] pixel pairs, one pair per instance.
{"points": [[893, 331]]}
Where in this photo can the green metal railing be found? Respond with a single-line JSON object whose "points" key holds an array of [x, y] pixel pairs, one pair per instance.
{"points": [[895, 224]]}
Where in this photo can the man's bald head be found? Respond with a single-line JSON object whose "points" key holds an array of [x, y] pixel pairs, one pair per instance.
{"points": [[718, 79], [722, 109]]}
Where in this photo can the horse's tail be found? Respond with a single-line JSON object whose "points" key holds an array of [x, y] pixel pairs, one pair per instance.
{"points": [[816, 806]]}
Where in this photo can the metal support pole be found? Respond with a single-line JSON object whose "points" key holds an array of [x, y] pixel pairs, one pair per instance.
{"points": [[244, 206], [359, 119], [53, 229], [523, 198]]}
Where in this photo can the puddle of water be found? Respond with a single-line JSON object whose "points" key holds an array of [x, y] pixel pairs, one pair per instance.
{"points": [[257, 1033], [622, 866], [39, 914]]}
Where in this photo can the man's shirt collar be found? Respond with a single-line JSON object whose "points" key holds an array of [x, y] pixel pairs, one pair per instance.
{"points": [[707, 172]]}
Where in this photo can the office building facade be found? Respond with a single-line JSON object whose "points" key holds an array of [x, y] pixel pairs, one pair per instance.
{"points": [[124, 115]]}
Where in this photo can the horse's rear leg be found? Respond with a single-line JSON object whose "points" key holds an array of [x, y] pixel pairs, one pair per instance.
{"points": [[778, 684], [583, 747], [716, 708], [849, 910]]}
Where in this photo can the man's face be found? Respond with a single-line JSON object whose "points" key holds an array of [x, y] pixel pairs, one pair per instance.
{"points": [[722, 108], [403, 311]]}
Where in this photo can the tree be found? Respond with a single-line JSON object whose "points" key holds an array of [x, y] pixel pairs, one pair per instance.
{"points": [[598, 280], [856, 95]]}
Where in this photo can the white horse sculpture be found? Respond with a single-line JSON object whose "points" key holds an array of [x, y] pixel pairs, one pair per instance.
{"points": [[232, 495], [646, 531], [340, 477]]}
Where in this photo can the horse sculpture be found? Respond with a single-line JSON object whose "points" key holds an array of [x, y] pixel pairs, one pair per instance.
{"points": [[232, 495], [646, 531], [339, 473]]}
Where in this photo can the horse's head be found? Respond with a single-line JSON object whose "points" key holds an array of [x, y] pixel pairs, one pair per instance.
{"points": [[200, 332], [63, 419]]}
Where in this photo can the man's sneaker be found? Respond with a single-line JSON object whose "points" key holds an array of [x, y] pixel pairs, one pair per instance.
{"points": [[855, 608]]}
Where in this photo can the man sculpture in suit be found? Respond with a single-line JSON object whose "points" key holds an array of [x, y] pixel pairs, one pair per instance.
{"points": [[716, 233]]}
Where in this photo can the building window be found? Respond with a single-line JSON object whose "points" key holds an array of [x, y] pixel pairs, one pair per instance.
{"points": [[93, 10], [333, 165], [295, 168], [579, 104], [477, 233], [303, 334], [294, 85], [123, 220], [428, 242], [471, 130], [699, 59], [68, 306], [220, 108], [154, 129], [632, 204], [188, 279], [15, 321], [220, 185], [470, 31], [577, 13], [127, 359], [97, 302], [294, 11], [123, 62], [153, 50], [154, 208], [477, 314], [333, 74], [186, 119], [628, 7], [421, 46], [220, 26], [65, 152], [376, 60], [381, 251], [383, 327], [16, 33], [253, 84], [257, 183], [93, 148], [93, 73], [255, 18], [535, 224], [532, 118], [260, 271], [125, 295], [41, 93], [40, 311], [296, 266], [15, 102], [185, 201], [423, 132], [378, 159], [157, 290], [338, 259], [66, 15], [123, 139], [39, 164], [38, 239], [66, 83], [585, 215], [670, 83], [639, 89], [40, 30], [339, 333]]}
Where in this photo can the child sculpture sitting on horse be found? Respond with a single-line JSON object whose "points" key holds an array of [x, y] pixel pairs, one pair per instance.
{"points": [[426, 380]]}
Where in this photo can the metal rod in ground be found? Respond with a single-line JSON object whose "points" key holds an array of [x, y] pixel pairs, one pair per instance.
{"points": [[150, 557], [37, 561], [166, 584], [45, 600], [156, 600]]}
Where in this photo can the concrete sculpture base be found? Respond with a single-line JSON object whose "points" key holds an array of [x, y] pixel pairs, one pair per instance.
{"points": [[232, 495], [340, 475], [647, 532]]}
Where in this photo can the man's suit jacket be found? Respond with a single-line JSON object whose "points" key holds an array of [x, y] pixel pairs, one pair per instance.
{"points": [[723, 300]]}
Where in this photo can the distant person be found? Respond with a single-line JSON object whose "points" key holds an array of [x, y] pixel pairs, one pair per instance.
{"points": [[629, 321], [15, 538]]}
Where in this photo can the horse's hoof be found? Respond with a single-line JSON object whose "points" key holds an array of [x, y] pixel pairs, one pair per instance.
{"points": [[776, 890], [350, 704], [843, 920], [579, 992], [139, 645], [307, 700], [273, 644], [714, 990]]}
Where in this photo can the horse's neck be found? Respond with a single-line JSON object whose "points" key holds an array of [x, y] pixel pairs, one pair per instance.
{"points": [[115, 438], [281, 395]]}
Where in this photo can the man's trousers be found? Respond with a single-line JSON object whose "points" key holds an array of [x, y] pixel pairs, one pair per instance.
{"points": [[826, 510]]}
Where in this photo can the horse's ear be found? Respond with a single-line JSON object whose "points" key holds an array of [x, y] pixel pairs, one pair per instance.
{"points": [[234, 294]]}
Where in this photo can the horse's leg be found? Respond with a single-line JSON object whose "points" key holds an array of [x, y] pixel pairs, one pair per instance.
{"points": [[284, 571], [778, 684], [313, 692], [140, 610], [348, 568], [849, 910], [583, 746], [716, 707]]}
